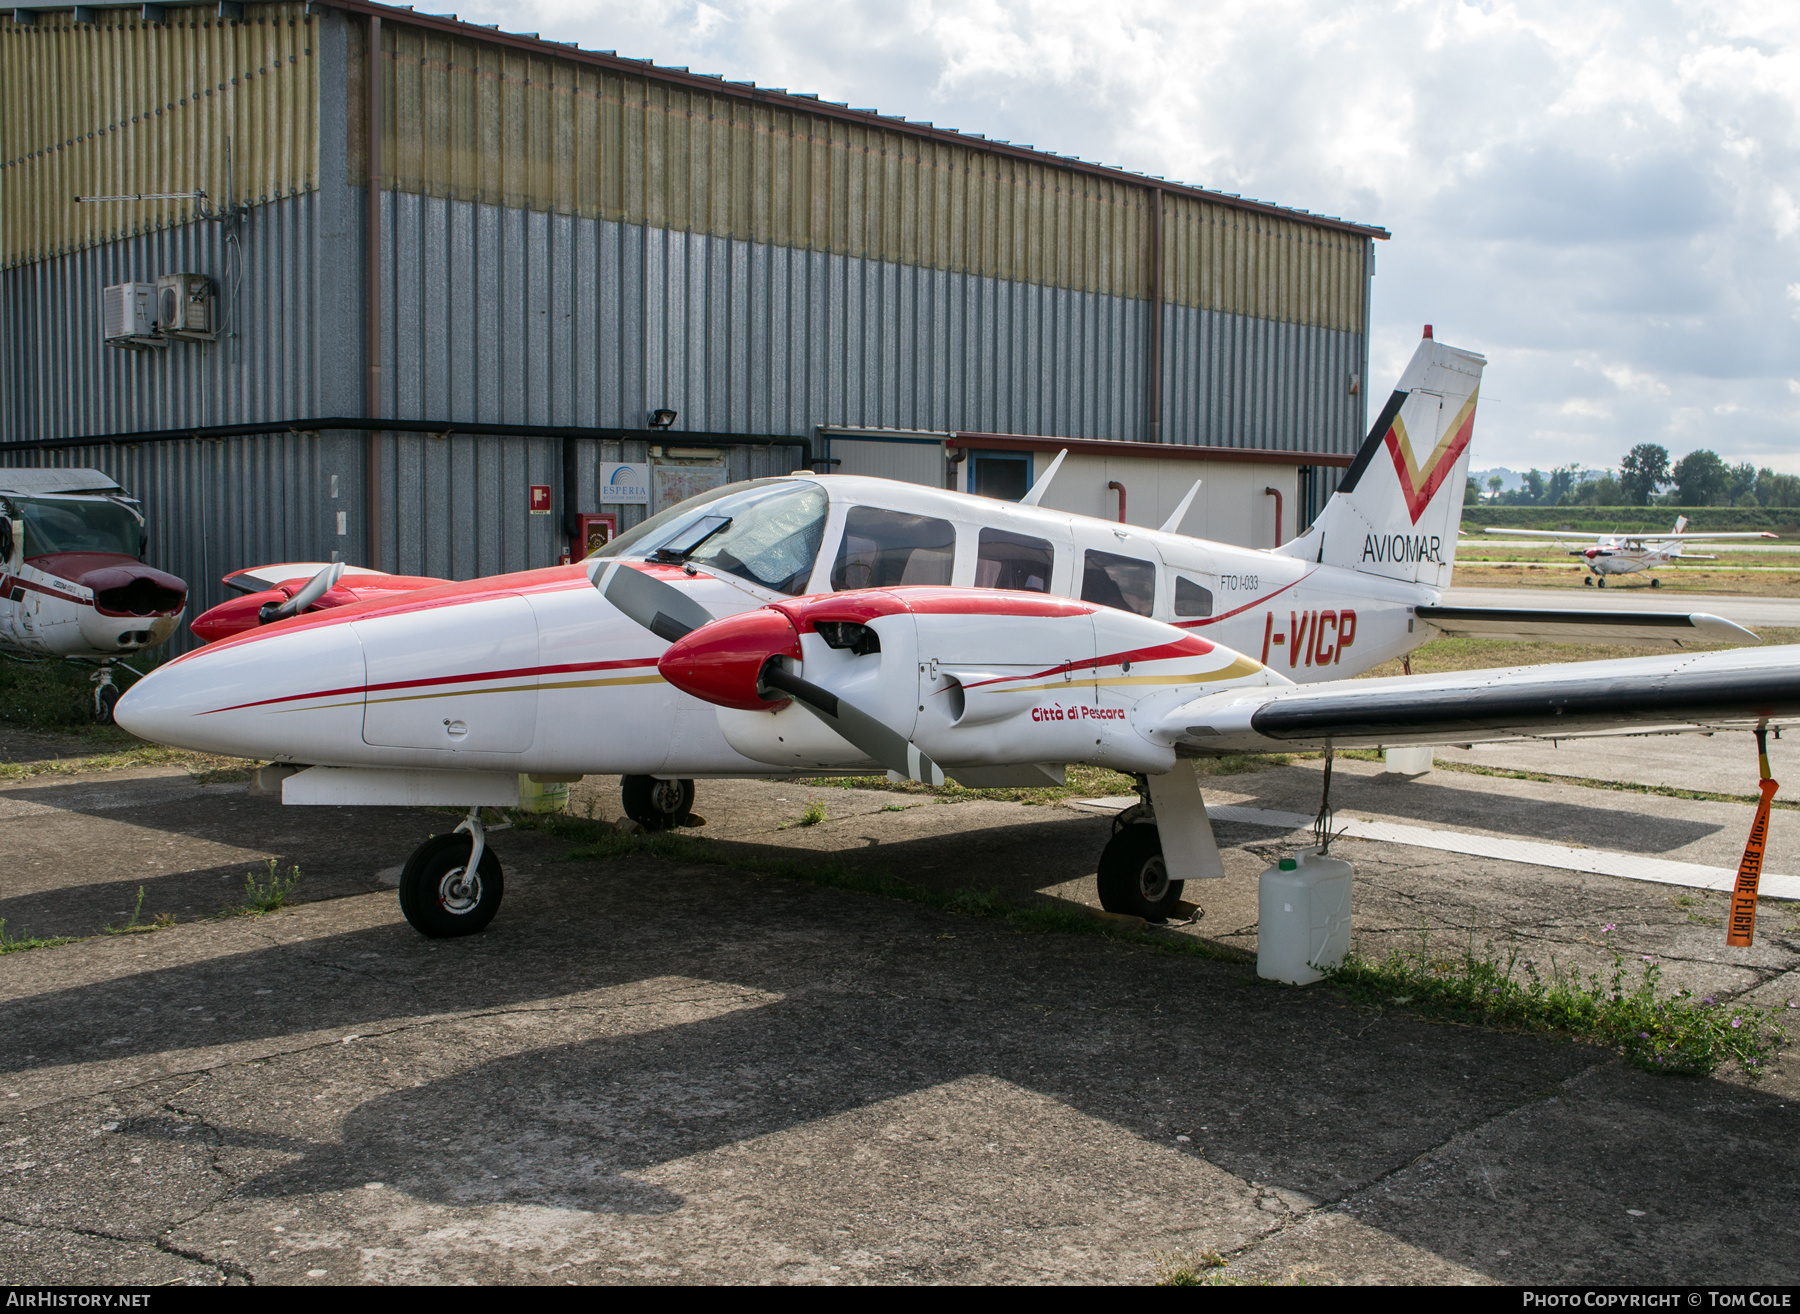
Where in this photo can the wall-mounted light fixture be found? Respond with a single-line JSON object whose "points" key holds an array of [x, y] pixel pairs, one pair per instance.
{"points": [[661, 419]]}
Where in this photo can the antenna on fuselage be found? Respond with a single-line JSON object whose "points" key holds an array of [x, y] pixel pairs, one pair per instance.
{"points": [[1042, 486], [1173, 524]]}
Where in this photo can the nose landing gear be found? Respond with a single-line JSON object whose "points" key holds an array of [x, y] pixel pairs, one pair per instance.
{"points": [[452, 884], [106, 694]]}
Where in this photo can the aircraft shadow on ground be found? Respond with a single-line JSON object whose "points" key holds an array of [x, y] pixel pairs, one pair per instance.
{"points": [[1605, 824], [1293, 1089]]}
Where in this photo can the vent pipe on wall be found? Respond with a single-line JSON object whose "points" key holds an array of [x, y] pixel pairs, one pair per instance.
{"points": [[372, 110]]}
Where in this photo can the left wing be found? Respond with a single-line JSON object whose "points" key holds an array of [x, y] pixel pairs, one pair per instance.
{"points": [[1734, 689]]}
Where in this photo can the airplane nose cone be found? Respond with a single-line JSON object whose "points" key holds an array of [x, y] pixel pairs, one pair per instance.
{"points": [[296, 694], [721, 663]]}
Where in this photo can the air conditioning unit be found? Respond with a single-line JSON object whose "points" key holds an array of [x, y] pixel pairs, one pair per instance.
{"points": [[185, 307], [128, 316]]}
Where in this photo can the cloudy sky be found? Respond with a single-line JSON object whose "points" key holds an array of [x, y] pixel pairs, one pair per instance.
{"points": [[1603, 198]]}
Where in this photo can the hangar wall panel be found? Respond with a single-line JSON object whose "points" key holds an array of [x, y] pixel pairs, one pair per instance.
{"points": [[123, 107], [291, 343]]}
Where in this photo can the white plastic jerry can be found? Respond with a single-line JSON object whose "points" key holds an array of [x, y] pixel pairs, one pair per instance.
{"points": [[1303, 917]]}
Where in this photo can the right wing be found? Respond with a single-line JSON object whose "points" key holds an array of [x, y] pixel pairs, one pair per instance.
{"points": [[1734, 689], [1673, 629]]}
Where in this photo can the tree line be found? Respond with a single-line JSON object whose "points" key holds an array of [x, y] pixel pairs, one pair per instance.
{"points": [[1645, 478]]}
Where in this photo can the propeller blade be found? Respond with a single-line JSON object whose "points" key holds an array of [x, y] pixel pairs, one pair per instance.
{"points": [[881, 742], [314, 589], [661, 608]]}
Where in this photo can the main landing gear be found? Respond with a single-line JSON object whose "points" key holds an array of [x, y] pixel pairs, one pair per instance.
{"points": [[452, 884], [657, 804], [1133, 877]]}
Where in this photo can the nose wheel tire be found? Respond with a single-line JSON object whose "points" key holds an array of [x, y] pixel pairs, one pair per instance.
{"points": [[1588, 580], [1601, 582], [440, 898], [106, 697], [1133, 878], [657, 804]]}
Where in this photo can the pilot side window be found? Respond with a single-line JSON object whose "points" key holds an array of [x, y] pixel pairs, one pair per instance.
{"points": [[1122, 582], [1013, 561], [883, 548], [1191, 599]]}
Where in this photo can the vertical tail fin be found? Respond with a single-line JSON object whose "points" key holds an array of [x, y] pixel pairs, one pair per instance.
{"points": [[1397, 510]]}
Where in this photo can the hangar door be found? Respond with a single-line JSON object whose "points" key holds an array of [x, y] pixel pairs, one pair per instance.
{"points": [[915, 458]]}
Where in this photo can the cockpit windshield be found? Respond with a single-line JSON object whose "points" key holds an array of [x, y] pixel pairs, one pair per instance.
{"points": [[766, 531], [77, 524]]}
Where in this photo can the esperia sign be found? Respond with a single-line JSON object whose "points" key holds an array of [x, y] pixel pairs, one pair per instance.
{"points": [[626, 483]]}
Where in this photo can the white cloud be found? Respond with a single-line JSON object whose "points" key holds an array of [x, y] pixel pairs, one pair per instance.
{"points": [[1574, 190]]}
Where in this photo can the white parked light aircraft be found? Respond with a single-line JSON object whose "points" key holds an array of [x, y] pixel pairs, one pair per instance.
{"points": [[837, 624], [1626, 554], [73, 584]]}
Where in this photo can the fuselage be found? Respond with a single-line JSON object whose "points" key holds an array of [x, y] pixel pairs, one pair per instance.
{"points": [[537, 672]]}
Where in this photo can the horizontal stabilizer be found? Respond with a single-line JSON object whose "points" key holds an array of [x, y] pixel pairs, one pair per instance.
{"points": [[1661, 629]]}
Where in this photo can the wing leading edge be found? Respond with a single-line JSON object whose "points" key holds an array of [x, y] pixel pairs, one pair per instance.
{"points": [[1638, 695]]}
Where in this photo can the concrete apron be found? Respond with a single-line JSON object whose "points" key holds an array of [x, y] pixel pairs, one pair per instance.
{"points": [[647, 1071]]}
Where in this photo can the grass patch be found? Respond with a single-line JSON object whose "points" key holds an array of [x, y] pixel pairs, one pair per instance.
{"points": [[1659, 1032], [1621, 786], [10, 944], [599, 842], [205, 768], [1078, 782], [265, 896], [1442, 655]]}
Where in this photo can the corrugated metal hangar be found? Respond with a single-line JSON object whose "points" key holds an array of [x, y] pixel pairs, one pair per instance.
{"points": [[344, 277]]}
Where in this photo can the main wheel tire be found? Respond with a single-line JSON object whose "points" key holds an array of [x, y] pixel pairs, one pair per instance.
{"points": [[106, 697], [1133, 879], [436, 900], [1601, 582], [657, 804], [1656, 583]]}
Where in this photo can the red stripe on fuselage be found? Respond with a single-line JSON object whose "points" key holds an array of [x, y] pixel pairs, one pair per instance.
{"points": [[513, 674], [1189, 646]]}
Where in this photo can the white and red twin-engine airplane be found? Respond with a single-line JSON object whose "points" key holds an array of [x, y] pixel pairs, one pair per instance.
{"points": [[837, 624]]}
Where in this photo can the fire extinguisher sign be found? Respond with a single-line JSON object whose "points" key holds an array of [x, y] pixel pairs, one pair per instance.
{"points": [[540, 499]]}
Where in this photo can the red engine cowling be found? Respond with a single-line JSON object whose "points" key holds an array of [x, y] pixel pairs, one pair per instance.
{"points": [[720, 663]]}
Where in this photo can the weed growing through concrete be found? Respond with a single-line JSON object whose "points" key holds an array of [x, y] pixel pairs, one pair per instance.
{"points": [[18, 944], [266, 896], [1205, 1269], [1663, 1033], [814, 814], [135, 926]]}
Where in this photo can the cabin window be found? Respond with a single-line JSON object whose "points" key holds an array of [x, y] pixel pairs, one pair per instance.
{"points": [[1002, 475], [84, 524], [1192, 599], [882, 548], [1013, 561], [1122, 582]]}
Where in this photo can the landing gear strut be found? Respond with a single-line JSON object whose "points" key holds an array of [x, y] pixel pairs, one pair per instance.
{"points": [[657, 804], [452, 884], [106, 694], [1133, 877]]}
